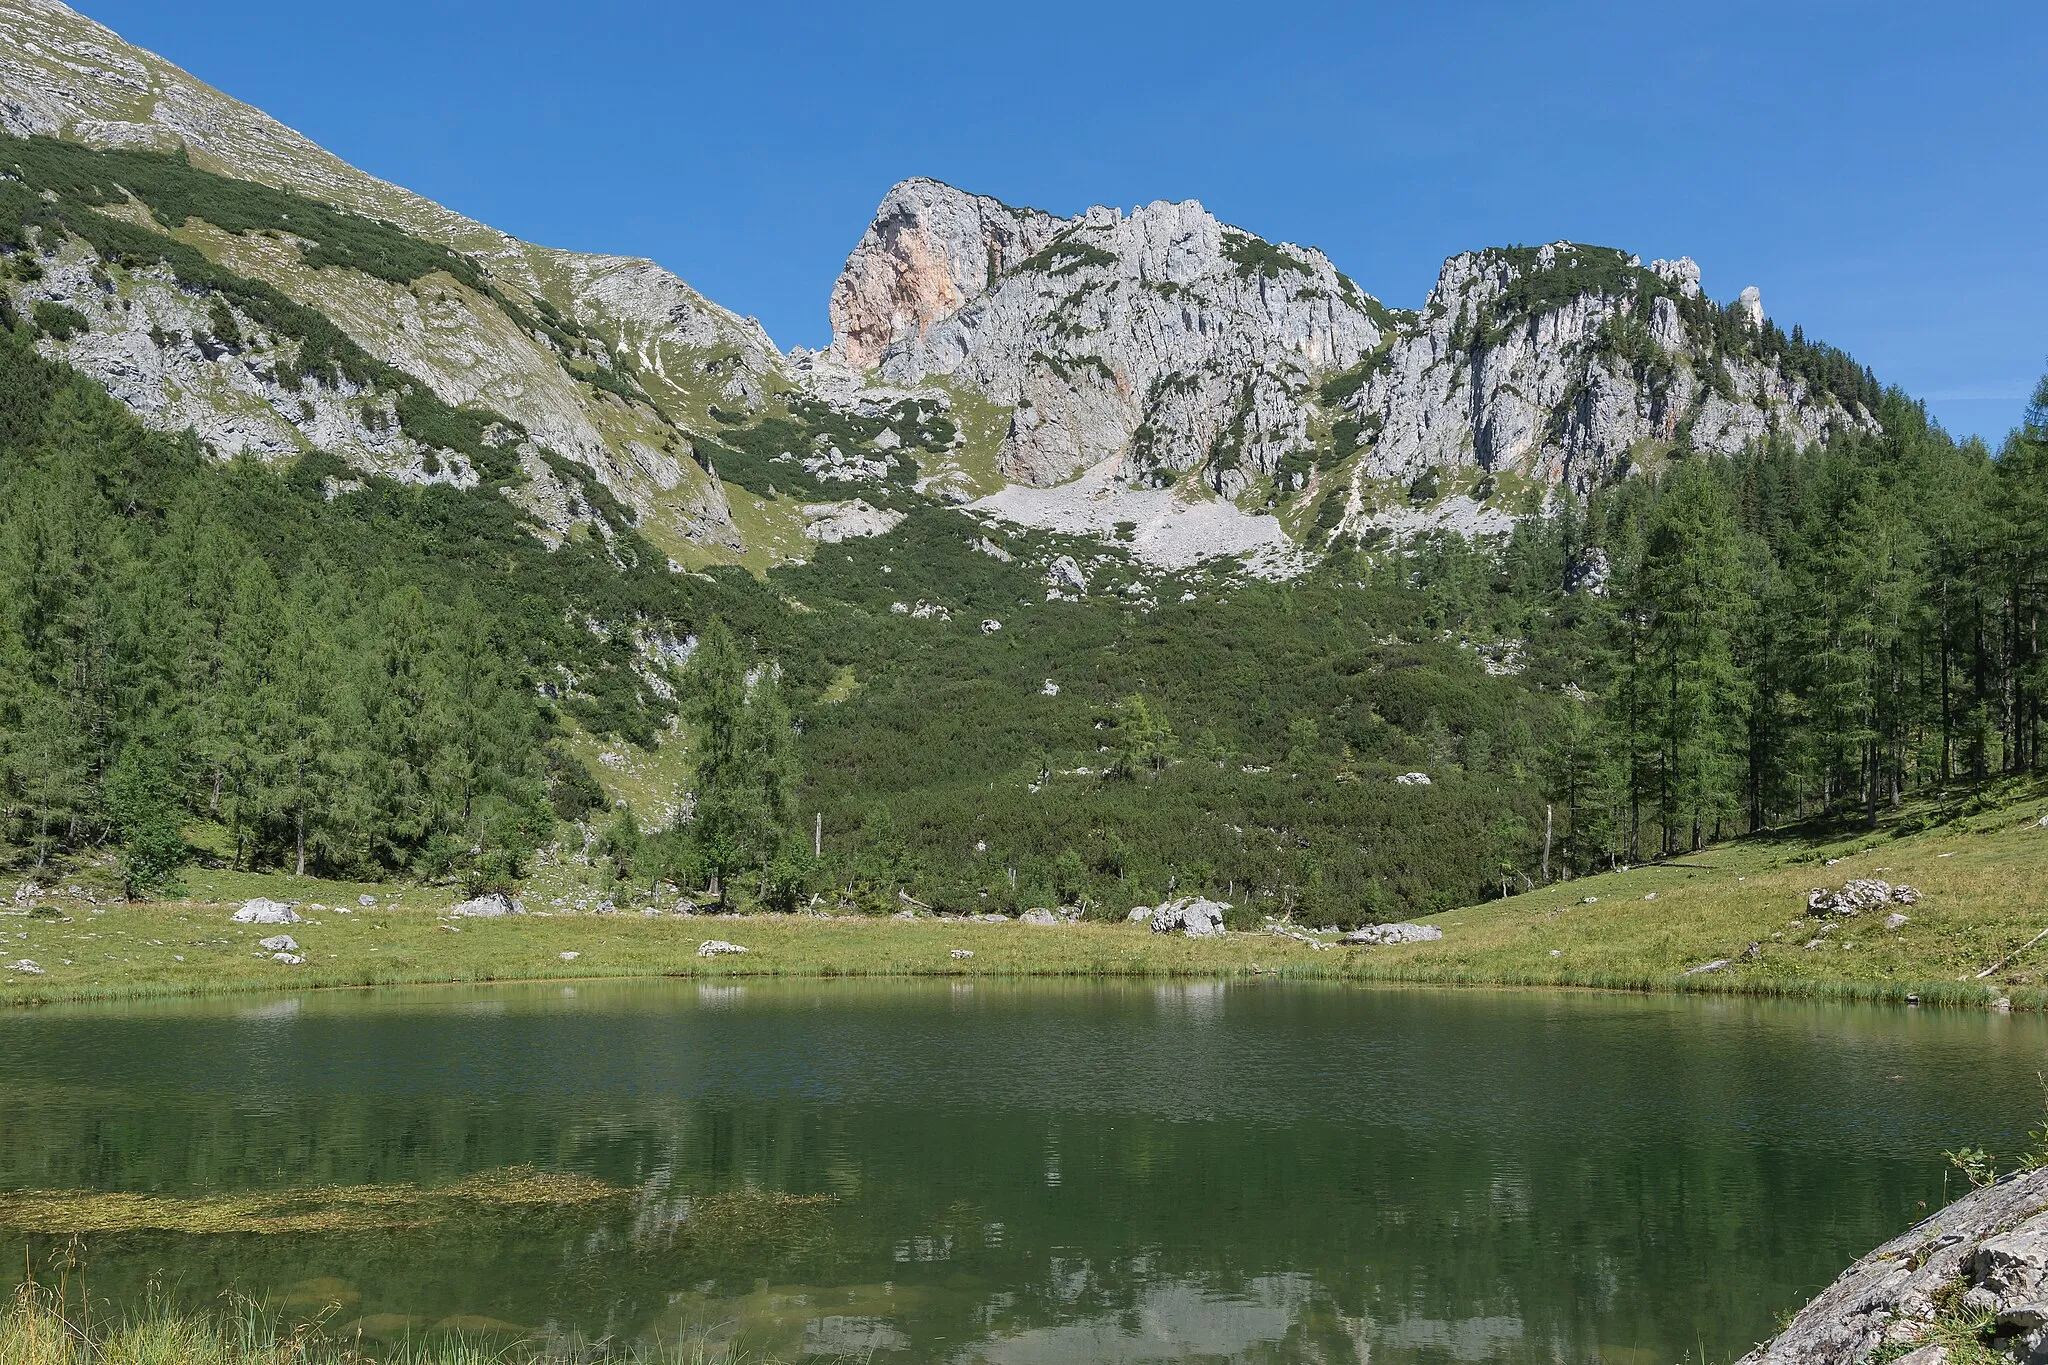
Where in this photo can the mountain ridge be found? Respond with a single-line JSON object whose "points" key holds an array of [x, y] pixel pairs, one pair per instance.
{"points": [[1151, 350]]}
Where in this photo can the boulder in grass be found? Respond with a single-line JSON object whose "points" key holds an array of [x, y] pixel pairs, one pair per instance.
{"points": [[27, 967], [717, 947], [1038, 915], [1384, 935], [1193, 916], [490, 905], [1857, 895], [288, 959], [279, 943], [264, 911]]}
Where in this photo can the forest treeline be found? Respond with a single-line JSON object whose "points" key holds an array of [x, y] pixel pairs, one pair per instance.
{"points": [[221, 660], [369, 685], [1770, 636]]}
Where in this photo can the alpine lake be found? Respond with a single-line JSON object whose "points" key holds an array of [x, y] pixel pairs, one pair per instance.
{"points": [[1019, 1173]]}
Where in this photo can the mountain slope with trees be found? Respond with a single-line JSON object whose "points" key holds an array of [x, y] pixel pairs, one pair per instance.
{"points": [[278, 593]]}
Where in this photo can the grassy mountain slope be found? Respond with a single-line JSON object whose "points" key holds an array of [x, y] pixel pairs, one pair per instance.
{"points": [[1979, 860]]}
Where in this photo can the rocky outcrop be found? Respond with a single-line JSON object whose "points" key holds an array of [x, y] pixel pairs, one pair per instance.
{"points": [[1984, 1257], [1388, 934], [490, 905], [1160, 337], [1557, 364], [1163, 341], [263, 910], [930, 249], [1857, 895]]}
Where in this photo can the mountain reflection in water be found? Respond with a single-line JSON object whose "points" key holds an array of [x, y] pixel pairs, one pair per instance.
{"points": [[1025, 1172]]}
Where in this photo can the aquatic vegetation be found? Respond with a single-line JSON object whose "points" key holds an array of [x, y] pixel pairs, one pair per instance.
{"points": [[343, 1208], [741, 1225]]}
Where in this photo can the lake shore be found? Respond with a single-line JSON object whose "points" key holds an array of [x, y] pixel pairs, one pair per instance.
{"points": [[145, 951], [1733, 919]]}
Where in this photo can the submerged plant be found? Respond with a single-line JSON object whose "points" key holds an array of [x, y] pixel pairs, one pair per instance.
{"points": [[342, 1208]]}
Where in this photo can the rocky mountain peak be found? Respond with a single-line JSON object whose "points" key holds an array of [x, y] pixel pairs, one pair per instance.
{"points": [[1161, 337], [930, 249]]}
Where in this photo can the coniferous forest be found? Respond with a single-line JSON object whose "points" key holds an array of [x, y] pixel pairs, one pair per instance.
{"points": [[381, 683]]}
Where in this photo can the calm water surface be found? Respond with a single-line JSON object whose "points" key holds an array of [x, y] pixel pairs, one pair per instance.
{"points": [[1035, 1173]]}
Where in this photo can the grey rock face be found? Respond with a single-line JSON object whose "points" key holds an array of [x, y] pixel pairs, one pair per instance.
{"points": [[279, 943], [930, 249], [1162, 337], [1482, 379], [1995, 1238]]}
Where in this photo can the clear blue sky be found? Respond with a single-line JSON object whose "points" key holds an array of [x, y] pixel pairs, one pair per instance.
{"points": [[1876, 168]]}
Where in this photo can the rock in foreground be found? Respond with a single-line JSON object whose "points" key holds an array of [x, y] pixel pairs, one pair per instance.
{"points": [[1984, 1256]]}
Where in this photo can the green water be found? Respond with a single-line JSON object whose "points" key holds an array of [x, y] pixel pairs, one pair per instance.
{"points": [[1026, 1173]]}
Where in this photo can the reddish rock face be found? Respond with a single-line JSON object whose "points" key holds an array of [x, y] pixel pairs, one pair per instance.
{"points": [[930, 249]]}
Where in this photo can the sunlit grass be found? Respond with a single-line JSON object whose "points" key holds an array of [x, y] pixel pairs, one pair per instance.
{"points": [[1983, 875]]}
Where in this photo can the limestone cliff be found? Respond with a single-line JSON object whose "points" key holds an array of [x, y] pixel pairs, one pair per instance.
{"points": [[1169, 342], [929, 250], [1559, 362], [1160, 336]]}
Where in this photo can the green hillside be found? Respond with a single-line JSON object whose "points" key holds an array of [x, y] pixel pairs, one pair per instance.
{"points": [[223, 666]]}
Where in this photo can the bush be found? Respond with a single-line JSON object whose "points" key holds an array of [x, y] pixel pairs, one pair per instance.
{"points": [[58, 322]]}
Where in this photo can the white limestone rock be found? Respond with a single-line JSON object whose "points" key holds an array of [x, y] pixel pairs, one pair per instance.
{"points": [[263, 910], [490, 905], [1381, 935], [1994, 1239], [829, 523], [1192, 916], [1094, 328]]}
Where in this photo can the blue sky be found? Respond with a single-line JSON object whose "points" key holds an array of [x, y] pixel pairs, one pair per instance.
{"points": [[1876, 169]]}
